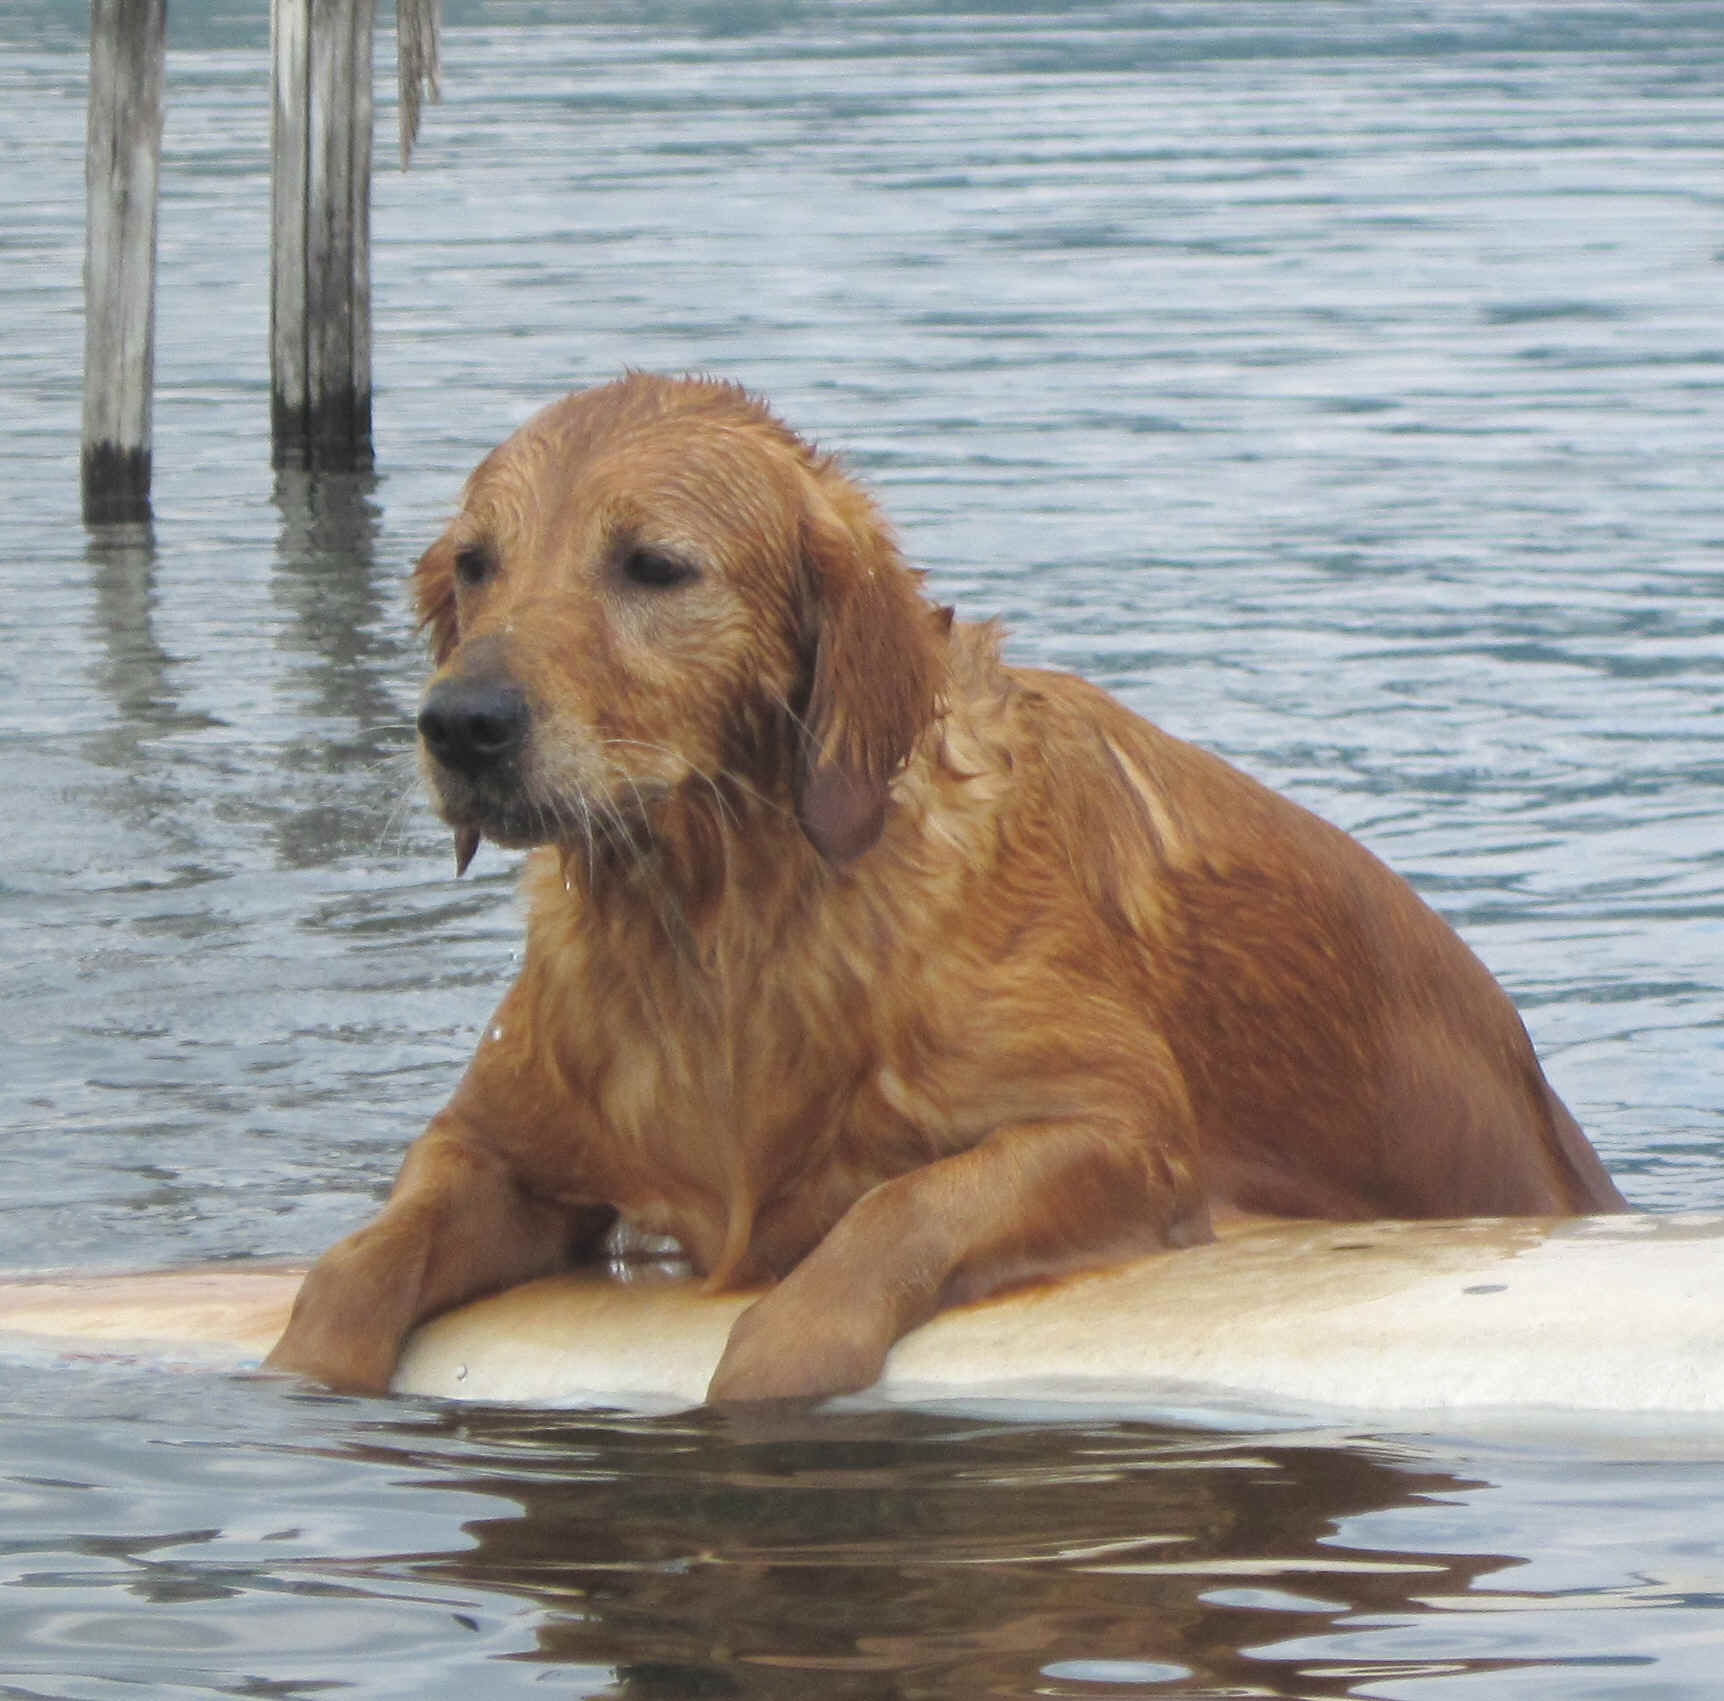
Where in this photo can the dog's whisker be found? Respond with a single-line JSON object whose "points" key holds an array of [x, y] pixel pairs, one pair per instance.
{"points": [[561, 821], [391, 836], [779, 701], [666, 903], [585, 823], [732, 777], [726, 812], [716, 782]]}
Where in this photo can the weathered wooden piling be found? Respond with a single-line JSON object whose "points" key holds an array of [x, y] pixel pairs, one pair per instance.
{"points": [[122, 163], [320, 243]]}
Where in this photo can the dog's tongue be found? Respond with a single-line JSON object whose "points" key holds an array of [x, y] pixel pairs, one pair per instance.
{"points": [[466, 842]]}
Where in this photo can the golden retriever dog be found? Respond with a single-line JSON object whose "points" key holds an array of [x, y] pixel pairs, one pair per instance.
{"points": [[879, 973]]}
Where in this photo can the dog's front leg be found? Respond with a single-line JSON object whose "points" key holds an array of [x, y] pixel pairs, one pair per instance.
{"points": [[1032, 1200], [458, 1224]]}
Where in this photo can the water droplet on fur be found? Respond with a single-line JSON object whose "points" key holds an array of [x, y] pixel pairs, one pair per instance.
{"points": [[497, 1032]]}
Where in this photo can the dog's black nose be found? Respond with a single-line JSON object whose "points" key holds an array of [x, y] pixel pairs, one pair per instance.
{"points": [[473, 724]]}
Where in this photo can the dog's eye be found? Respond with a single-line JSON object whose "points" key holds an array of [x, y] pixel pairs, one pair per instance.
{"points": [[474, 565], [655, 568]]}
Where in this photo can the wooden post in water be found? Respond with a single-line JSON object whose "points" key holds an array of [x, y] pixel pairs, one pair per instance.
{"points": [[122, 162], [320, 239]]}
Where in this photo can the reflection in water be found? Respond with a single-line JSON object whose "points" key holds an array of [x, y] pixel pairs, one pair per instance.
{"points": [[189, 1545], [326, 579], [896, 1553], [133, 672], [134, 669], [130, 668], [346, 636]]}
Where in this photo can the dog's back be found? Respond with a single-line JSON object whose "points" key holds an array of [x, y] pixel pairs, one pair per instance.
{"points": [[1347, 1054]]}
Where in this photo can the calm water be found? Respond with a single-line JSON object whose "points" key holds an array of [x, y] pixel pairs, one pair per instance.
{"points": [[1342, 384]]}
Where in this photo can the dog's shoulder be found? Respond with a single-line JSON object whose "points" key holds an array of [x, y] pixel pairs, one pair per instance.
{"points": [[1047, 782], [1069, 773], [1078, 751]]}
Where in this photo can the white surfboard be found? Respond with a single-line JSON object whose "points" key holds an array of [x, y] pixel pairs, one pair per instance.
{"points": [[1601, 1315]]}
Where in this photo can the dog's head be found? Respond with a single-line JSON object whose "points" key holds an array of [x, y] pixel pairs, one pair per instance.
{"points": [[656, 597]]}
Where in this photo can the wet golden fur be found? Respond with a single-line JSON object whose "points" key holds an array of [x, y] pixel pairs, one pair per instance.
{"points": [[868, 966]]}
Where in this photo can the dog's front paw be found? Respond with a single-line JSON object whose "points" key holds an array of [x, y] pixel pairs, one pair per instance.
{"points": [[339, 1371], [330, 1340], [777, 1352]]}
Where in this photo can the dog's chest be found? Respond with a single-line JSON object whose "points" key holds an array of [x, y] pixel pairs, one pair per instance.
{"points": [[712, 1085], [756, 1089]]}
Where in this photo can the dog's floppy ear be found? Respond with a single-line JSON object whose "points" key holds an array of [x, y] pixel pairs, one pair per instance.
{"points": [[434, 597], [876, 673]]}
